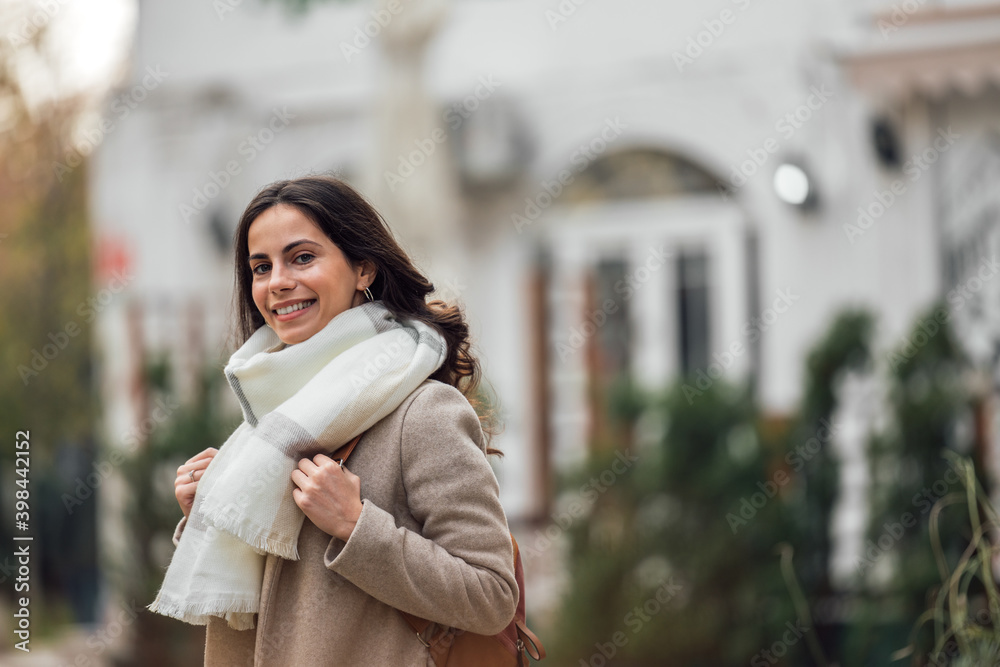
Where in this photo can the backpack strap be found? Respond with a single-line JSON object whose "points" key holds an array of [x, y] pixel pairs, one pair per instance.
{"points": [[530, 641], [345, 450], [528, 638]]}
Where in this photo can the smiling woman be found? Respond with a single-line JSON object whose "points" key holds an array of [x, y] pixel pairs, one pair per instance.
{"points": [[286, 554], [301, 279]]}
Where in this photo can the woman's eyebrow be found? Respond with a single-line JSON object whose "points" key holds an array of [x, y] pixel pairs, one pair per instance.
{"points": [[286, 249]]}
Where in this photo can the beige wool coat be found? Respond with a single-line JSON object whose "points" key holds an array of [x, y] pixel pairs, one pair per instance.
{"points": [[432, 540]]}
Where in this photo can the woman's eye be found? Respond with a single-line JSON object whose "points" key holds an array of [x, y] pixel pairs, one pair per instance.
{"points": [[260, 268], [308, 258]]}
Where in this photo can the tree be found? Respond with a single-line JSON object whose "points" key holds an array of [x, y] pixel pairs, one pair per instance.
{"points": [[45, 341]]}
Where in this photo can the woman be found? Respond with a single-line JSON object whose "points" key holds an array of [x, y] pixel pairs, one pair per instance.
{"points": [[288, 556]]}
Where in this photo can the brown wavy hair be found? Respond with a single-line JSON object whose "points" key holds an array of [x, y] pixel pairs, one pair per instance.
{"points": [[353, 224]]}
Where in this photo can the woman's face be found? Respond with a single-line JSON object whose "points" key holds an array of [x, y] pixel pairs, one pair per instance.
{"points": [[301, 279]]}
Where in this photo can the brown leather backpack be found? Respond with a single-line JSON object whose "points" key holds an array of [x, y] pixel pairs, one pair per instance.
{"points": [[450, 647], [458, 648]]}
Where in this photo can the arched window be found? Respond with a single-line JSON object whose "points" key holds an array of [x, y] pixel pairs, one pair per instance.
{"points": [[637, 174], [657, 280]]}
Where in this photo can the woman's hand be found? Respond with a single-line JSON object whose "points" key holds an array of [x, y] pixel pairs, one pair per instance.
{"points": [[188, 475], [329, 494]]}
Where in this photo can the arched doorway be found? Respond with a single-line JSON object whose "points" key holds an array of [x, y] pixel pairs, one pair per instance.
{"points": [[643, 273]]}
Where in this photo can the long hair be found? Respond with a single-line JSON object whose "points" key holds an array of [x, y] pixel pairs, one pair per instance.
{"points": [[360, 232]]}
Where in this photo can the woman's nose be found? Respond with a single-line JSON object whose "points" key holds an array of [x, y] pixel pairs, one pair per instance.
{"points": [[281, 278]]}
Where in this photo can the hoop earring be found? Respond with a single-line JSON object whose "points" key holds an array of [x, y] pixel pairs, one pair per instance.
{"points": [[369, 294]]}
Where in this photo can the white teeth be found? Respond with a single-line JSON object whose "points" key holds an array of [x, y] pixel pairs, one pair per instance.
{"points": [[294, 307]]}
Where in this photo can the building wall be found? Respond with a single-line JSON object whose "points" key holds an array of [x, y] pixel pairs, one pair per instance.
{"points": [[231, 76]]}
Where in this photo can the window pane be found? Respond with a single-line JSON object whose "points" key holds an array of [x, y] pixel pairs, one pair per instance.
{"points": [[692, 313], [614, 335]]}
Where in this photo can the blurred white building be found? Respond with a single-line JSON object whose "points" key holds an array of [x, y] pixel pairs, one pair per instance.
{"points": [[606, 186]]}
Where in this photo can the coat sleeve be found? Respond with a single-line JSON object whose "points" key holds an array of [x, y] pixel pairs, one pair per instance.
{"points": [[179, 529], [459, 571]]}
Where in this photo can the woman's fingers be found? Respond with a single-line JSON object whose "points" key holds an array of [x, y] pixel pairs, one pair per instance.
{"points": [[188, 477], [197, 465], [210, 452], [194, 465], [308, 466], [328, 494], [318, 473], [324, 461], [199, 460]]}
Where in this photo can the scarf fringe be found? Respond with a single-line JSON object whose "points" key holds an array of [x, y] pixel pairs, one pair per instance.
{"points": [[252, 535], [237, 613], [240, 621]]}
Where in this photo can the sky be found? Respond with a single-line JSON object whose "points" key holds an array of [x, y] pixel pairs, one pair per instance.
{"points": [[98, 36], [91, 40]]}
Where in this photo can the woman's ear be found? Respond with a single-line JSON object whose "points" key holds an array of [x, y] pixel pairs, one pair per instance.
{"points": [[366, 276]]}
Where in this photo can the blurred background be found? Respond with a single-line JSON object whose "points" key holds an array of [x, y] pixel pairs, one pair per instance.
{"points": [[731, 267]]}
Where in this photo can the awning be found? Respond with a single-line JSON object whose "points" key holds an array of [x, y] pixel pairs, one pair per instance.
{"points": [[927, 53]]}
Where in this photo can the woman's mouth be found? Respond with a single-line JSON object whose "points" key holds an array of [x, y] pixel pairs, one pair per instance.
{"points": [[293, 311]]}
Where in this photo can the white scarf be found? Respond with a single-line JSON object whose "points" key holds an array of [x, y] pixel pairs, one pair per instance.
{"points": [[297, 401]]}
